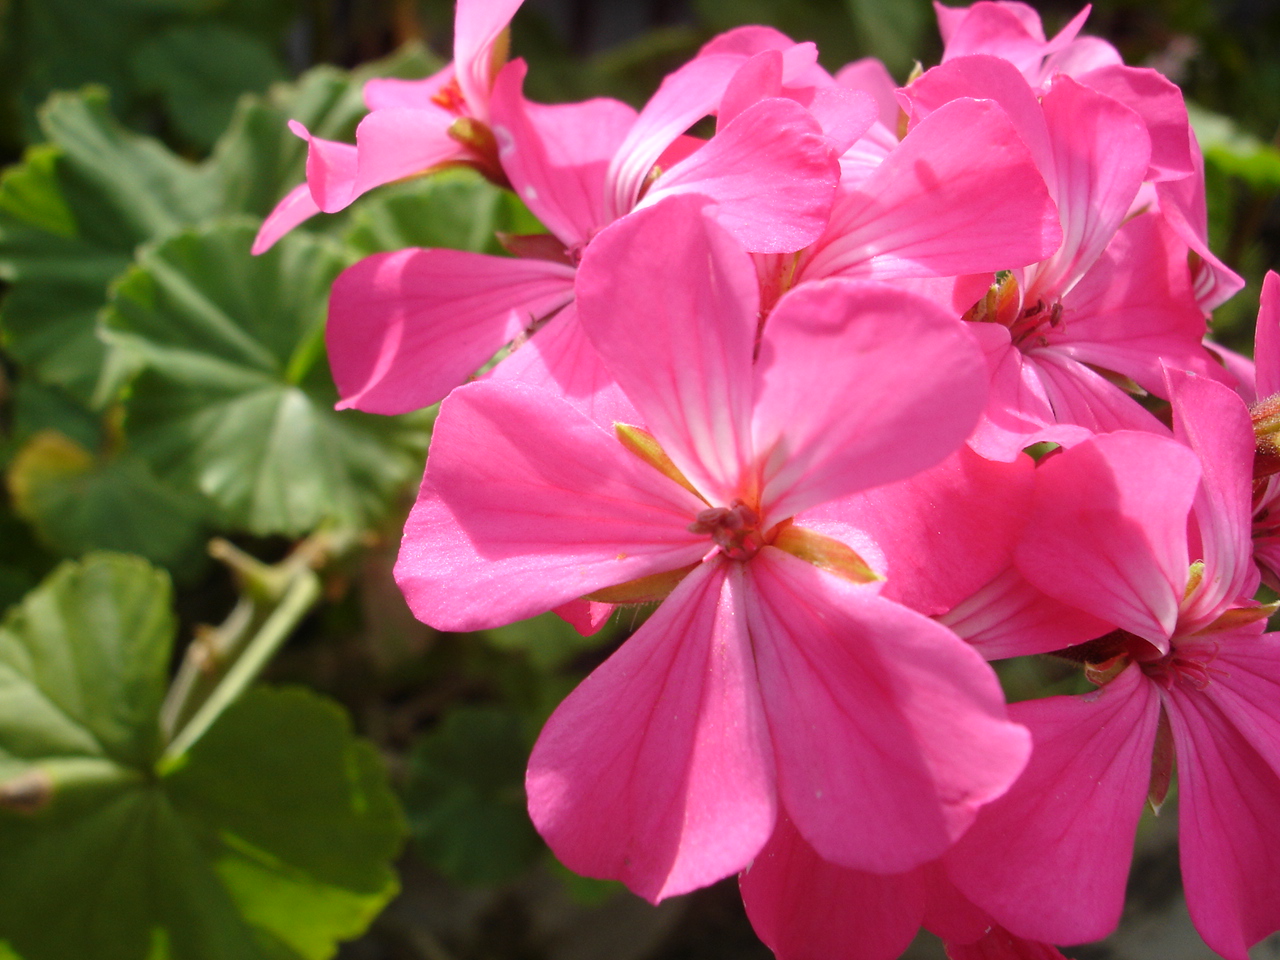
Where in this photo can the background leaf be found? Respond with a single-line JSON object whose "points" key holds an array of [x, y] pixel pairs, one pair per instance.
{"points": [[465, 796], [271, 838], [236, 400]]}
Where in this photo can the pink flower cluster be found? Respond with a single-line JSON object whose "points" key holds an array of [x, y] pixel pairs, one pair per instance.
{"points": [[780, 382]]}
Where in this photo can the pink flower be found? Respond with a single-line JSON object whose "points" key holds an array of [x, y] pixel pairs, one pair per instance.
{"points": [[806, 908], [414, 125], [1117, 295], [1185, 670], [772, 676], [406, 327]]}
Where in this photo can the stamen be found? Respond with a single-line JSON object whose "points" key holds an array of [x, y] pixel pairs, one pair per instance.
{"points": [[735, 529]]}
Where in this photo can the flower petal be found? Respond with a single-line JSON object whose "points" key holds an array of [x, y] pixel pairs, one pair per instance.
{"points": [[841, 400], [296, 206], [1213, 420], [959, 195], [806, 908], [669, 300], [527, 504], [771, 172], [889, 731], [556, 156], [407, 327], [1109, 533], [1049, 859], [657, 770], [1228, 793]]}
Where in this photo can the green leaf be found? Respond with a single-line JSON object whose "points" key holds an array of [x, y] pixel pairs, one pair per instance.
{"points": [[1235, 151], [893, 29], [200, 71], [465, 797], [270, 840], [78, 501], [236, 400], [71, 217]]}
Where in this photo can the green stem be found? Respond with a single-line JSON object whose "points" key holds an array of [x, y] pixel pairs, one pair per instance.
{"points": [[297, 601]]}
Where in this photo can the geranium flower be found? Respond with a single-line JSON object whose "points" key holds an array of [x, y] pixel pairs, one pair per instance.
{"points": [[771, 676]]}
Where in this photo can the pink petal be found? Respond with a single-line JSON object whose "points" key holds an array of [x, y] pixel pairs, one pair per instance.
{"points": [[382, 92], [657, 291], [1214, 422], [1134, 311], [869, 421], [771, 172], [1081, 396], [1018, 413], [1049, 859], [805, 908], [585, 616], [1159, 102], [560, 359], [1100, 154], [296, 207], [1183, 204], [477, 26], [1266, 350], [1228, 794], [685, 96], [1008, 617], [657, 770], [556, 156], [946, 531], [331, 170], [1000, 944], [871, 76], [988, 78], [399, 142], [949, 914], [994, 28], [757, 79], [1109, 534], [889, 731], [959, 195], [407, 327], [526, 505], [1081, 56]]}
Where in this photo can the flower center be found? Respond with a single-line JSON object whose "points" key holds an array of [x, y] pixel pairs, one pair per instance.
{"points": [[735, 529], [1030, 327]]}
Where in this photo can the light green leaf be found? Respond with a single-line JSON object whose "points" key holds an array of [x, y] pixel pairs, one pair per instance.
{"points": [[271, 840], [236, 400], [465, 797], [1235, 151]]}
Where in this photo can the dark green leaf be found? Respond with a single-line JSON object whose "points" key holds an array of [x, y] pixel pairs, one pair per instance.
{"points": [[78, 501], [465, 797], [200, 71]]}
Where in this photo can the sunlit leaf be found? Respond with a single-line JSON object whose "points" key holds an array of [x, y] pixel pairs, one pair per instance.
{"points": [[1235, 151], [236, 400], [271, 839]]}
